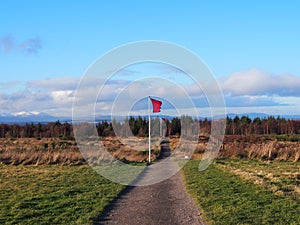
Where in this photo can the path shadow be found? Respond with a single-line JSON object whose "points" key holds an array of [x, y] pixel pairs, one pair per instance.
{"points": [[165, 150]]}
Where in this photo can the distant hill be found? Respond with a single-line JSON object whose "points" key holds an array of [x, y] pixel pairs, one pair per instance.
{"points": [[39, 117], [262, 115], [250, 115], [28, 117]]}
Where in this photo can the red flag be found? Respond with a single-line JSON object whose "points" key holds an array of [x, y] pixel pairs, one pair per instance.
{"points": [[156, 105]]}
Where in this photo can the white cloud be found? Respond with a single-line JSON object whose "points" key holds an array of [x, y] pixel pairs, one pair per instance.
{"points": [[251, 90], [255, 82], [40, 96], [63, 97]]}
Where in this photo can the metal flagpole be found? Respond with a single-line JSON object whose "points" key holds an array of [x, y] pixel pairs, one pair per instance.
{"points": [[160, 127], [149, 118]]}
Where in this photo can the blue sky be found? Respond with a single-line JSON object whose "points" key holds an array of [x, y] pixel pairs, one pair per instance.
{"points": [[252, 47]]}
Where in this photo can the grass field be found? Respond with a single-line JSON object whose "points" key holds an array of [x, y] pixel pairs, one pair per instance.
{"points": [[53, 194], [282, 178], [226, 197], [50, 151], [228, 192]]}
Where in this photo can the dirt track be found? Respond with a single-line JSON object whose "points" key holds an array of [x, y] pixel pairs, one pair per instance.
{"points": [[166, 202]]}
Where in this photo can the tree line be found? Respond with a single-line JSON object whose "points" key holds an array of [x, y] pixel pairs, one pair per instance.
{"points": [[264, 126], [38, 130], [138, 126]]}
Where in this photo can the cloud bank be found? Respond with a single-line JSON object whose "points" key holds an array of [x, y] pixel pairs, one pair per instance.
{"points": [[252, 90], [255, 83]]}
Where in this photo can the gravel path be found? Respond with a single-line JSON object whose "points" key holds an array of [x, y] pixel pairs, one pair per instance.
{"points": [[166, 202]]}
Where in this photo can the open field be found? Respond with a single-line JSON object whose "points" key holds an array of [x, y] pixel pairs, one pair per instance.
{"points": [[228, 192], [256, 180], [45, 151], [254, 147], [48, 151], [226, 197], [53, 194], [282, 178]]}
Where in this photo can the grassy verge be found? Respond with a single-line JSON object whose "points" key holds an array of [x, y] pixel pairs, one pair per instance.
{"points": [[226, 198], [53, 194], [282, 178]]}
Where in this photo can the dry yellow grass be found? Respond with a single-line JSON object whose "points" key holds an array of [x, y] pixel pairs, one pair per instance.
{"points": [[247, 147], [56, 151], [46, 151], [28, 151]]}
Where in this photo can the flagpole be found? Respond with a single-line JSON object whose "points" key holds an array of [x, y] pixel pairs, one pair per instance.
{"points": [[149, 118], [160, 127]]}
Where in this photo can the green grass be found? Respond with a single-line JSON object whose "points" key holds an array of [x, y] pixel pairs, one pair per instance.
{"points": [[226, 198], [53, 194], [282, 137], [283, 178], [292, 137]]}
